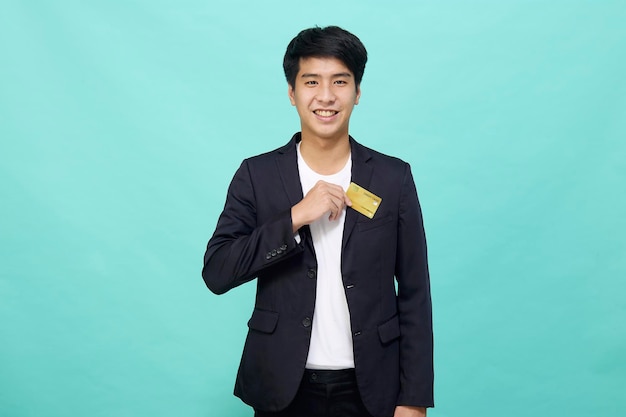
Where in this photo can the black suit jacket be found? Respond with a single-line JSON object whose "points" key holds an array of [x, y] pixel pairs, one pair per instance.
{"points": [[392, 334]]}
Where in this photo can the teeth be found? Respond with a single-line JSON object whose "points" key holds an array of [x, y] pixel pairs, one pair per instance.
{"points": [[325, 113]]}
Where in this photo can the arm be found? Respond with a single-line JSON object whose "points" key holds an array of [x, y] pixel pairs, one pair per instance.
{"points": [[414, 303], [240, 248]]}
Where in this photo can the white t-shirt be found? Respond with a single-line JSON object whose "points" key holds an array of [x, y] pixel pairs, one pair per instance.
{"points": [[331, 337]]}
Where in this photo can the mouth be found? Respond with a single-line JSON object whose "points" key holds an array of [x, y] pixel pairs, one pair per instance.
{"points": [[325, 113]]}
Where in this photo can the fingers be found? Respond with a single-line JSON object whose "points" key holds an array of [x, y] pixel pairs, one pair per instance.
{"points": [[334, 196], [336, 210], [324, 197]]}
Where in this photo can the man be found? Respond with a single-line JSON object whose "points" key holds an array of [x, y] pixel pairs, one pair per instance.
{"points": [[328, 335]]}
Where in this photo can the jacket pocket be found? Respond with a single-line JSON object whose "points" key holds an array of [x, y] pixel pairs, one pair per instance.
{"points": [[263, 321], [389, 330], [368, 224]]}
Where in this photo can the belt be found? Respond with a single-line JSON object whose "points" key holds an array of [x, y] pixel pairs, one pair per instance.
{"points": [[330, 376]]}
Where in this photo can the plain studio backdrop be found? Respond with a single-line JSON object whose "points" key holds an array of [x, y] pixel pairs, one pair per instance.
{"points": [[122, 123]]}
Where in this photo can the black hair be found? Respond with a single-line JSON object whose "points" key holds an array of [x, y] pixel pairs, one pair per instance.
{"points": [[331, 41]]}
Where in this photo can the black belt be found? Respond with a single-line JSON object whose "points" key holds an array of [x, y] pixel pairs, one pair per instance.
{"points": [[329, 376]]}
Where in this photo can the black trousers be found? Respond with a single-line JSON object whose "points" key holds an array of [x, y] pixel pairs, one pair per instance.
{"points": [[324, 394]]}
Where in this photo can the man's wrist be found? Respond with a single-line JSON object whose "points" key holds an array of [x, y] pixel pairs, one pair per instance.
{"points": [[296, 219]]}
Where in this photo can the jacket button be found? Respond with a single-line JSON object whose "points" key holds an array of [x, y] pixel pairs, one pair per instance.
{"points": [[306, 322], [283, 247], [357, 334], [268, 256], [311, 273], [274, 252]]}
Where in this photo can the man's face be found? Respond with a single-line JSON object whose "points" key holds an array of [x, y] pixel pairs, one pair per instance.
{"points": [[324, 94]]}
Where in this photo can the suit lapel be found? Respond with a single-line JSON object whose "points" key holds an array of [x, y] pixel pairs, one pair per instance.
{"points": [[287, 161], [361, 175]]}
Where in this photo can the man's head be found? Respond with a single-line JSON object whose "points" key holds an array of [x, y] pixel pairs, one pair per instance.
{"points": [[328, 42]]}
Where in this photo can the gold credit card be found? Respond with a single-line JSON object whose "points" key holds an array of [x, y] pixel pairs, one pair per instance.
{"points": [[363, 201]]}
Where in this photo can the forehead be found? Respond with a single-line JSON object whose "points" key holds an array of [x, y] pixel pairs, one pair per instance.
{"points": [[322, 66]]}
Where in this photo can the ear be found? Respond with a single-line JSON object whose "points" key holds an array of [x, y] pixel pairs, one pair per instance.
{"points": [[291, 94], [358, 95]]}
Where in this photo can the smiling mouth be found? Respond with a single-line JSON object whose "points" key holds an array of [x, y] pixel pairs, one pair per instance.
{"points": [[325, 113]]}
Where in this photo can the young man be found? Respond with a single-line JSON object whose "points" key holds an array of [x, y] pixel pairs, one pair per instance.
{"points": [[328, 336]]}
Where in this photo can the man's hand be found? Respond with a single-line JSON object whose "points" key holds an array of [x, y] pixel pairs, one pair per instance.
{"points": [[407, 411], [321, 199]]}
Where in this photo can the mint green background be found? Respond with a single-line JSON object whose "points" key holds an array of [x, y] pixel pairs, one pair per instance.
{"points": [[121, 124]]}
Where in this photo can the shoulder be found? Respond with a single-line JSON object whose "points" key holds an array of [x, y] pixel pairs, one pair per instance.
{"points": [[378, 159], [270, 156]]}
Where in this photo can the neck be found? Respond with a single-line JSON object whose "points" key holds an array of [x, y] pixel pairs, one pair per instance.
{"points": [[325, 156]]}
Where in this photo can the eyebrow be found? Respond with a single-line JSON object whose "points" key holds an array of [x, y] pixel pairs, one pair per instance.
{"points": [[338, 75]]}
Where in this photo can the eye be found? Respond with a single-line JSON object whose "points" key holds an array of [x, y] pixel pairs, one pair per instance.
{"points": [[310, 82], [341, 82]]}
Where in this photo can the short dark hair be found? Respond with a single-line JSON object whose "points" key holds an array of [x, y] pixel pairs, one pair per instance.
{"points": [[331, 41]]}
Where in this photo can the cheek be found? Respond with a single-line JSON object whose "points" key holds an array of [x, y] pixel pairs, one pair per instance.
{"points": [[303, 104], [302, 110]]}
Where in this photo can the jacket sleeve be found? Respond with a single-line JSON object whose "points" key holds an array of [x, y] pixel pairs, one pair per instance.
{"points": [[414, 302], [241, 247]]}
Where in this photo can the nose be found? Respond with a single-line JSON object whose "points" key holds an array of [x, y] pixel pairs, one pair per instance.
{"points": [[325, 93]]}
